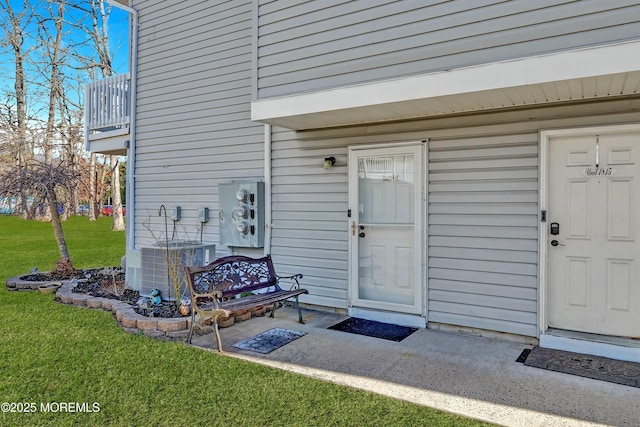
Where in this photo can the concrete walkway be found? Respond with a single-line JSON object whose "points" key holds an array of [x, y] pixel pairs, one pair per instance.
{"points": [[471, 376]]}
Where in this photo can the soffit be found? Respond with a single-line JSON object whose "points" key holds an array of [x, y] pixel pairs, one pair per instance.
{"points": [[597, 73]]}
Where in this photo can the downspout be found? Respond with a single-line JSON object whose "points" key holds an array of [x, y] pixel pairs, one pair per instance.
{"points": [[131, 151], [267, 189]]}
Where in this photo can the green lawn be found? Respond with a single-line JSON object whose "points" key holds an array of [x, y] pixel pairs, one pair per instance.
{"points": [[52, 353]]}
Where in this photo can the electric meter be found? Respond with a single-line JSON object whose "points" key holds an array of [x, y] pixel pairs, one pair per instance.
{"points": [[241, 214], [242, 227]]}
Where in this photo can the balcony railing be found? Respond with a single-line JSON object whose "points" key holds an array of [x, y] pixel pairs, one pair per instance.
{"points": [[107, 105]]}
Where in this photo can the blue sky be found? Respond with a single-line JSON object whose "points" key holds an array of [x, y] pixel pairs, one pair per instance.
{"points": [[118, 26]]}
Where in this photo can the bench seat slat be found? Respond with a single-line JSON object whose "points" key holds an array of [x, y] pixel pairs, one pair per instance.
{"points": [[250, 301]]}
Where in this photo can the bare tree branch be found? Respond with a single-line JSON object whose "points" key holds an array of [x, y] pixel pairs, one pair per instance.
{"points": [[45, 183]]}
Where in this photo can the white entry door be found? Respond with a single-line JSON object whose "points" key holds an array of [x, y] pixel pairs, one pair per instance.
{"points": [[593, 231], [385, 227]]}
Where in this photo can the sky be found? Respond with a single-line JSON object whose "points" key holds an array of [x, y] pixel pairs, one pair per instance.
{"points": [[118, 26]]}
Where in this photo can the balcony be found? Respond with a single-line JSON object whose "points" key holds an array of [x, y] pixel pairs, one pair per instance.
{"points": [[107, 115]]}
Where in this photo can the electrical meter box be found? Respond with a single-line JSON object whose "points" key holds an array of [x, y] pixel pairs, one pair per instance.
{"points": [[241, 214]]}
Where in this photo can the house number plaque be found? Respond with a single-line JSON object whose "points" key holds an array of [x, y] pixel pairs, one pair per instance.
{"points": [[598, 171]]}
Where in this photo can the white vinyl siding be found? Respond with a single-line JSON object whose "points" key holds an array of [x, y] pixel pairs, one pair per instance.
{"points": [[194, 132], [310, 46], [482, 245], [483, 228], [193, 121], [309, 216]]}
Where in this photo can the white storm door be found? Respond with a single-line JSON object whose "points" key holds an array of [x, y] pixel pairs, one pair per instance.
{"points": [[594, 255], [385, 199]]}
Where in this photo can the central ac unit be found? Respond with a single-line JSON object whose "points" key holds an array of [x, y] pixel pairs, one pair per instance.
{"points": [[163, 263]]}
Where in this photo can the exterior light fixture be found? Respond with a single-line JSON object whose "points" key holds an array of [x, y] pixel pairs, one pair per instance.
{"points": [[329, 161]]}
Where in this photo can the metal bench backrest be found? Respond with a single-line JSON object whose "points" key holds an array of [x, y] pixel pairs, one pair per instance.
{"points": [[233, 275]]}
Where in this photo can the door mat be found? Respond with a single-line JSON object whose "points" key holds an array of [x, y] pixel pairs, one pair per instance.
{"points": [[584, 365], [371, 328], [270, 340]]}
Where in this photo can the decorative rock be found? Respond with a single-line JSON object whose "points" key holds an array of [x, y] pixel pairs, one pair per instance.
{"points": [[80, 300], [146, 323], [242, 316], [128, 321], [118, 305], [259, 311], [172, 325], [94, 302], [65, 298], [228, 321], [107, 304]]}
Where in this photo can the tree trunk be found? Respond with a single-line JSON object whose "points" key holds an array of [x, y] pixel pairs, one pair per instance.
{"points": [[100, 188], [57, 228], [116, 198], [93, 214], [14, 30]]}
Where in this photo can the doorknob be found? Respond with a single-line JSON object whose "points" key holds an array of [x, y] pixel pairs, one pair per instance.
{"points": [[556, 243], [362, 234]]}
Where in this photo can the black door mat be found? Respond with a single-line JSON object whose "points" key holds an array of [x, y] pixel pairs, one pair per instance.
{"points": [[270, 340], [584, 365], [371, 328]]}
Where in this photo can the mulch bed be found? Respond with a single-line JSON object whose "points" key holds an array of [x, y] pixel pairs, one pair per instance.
{"points": [[107, 283]]}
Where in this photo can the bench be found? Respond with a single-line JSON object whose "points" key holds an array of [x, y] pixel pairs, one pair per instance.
{"points": [[235, 284]]}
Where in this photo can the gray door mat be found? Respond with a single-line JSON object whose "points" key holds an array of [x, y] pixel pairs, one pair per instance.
{"points": [[584, 365], [269, 340]]}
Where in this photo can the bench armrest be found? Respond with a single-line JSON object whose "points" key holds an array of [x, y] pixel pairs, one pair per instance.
{"points": [[294, 279]]}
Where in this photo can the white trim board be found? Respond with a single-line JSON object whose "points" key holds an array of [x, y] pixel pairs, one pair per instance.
{"points": [[538, 70], [575, 345]]}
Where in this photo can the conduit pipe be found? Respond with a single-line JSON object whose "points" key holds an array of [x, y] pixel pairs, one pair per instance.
{"points": [[267, 189]]}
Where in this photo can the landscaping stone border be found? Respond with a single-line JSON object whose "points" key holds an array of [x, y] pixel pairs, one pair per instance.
{"points": [[155, 327], [17, 284]]}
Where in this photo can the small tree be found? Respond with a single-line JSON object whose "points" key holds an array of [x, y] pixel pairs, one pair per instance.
{"points": [[44, 182]]}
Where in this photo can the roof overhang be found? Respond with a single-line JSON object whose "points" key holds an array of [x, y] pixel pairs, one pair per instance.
{"points": [[591, 73]]}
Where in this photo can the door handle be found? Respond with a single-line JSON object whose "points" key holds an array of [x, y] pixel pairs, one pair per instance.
{"points": [[361, 234], [556, 243]]}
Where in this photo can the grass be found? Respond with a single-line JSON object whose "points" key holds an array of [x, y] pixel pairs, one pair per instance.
{"points": [[52, 353]]}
